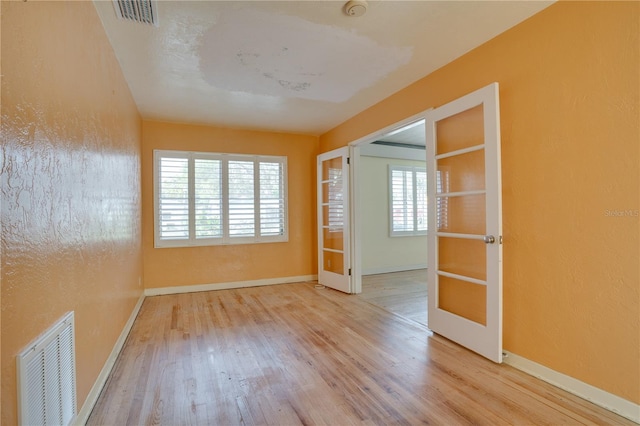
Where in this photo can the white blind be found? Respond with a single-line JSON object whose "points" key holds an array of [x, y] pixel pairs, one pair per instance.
{"points": [[242, 209], [402, 200], [408, 200], [174, 198], [442, 203], [272, 200], [421, 200], [210, 198], [336, 205]]}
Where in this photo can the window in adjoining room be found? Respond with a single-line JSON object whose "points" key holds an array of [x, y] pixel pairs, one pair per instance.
{"points": [[407, 200]]}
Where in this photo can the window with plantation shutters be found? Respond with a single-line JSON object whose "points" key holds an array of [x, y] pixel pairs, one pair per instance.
{"points": [[407, 200], [209, 198]]}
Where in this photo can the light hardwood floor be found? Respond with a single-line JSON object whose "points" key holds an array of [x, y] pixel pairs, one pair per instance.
{"points": [[293, 354], [403, 293]]}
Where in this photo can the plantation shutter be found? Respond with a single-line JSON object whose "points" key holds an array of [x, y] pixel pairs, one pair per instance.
{"points": [[173, 203], [408, 200], [272, 198], [421, 200], [208, 198], [402, 207], [242, 219]]}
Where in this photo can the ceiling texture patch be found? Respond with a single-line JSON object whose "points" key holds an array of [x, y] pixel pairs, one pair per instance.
{"points": [[293, 66], [263, 53]]}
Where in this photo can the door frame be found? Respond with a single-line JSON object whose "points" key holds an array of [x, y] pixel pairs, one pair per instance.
{"points": [[354, 192]]}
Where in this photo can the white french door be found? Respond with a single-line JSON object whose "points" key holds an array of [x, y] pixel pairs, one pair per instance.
{"points": [[333, 220], [465, 222]]}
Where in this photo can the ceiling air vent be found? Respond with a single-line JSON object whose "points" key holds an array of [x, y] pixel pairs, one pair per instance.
{"points": [[143, 11]]}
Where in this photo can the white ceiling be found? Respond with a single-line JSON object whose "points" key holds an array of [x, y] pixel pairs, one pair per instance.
{"points": [[293, 66]]}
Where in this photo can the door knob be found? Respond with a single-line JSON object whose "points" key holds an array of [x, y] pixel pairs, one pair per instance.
{"points": [[489, 239]]}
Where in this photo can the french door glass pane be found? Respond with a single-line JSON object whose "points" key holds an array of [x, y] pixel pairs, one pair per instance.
{"points": [[465, 214], [463, 298], [333, 239], [463, 257], [464, 172], [459, 131], [334, 262]]}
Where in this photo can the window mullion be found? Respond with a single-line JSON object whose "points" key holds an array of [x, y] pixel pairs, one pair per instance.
{"points": [[225, 198]]}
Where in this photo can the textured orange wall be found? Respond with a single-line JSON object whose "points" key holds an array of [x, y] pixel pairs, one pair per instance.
{"points": [[167, 267], [1, 255], [71, 232], [569, 93]]}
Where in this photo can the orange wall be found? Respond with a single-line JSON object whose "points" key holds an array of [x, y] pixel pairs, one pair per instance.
{"points": [[1, 214], [71, 232], [168, 267], [569, 82]]}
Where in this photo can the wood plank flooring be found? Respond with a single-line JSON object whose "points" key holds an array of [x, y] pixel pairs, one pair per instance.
{"points": [[403, 293], [292, 354]]}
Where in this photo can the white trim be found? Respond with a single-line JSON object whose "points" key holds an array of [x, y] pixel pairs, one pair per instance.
{"points": [[576, 387], [460, 236], [460, 152], [389, 269], [94, 393], [401, 153], [461, 277], [460, 193], [158, 291], [354, 220], [355, 148], [391, 129]]}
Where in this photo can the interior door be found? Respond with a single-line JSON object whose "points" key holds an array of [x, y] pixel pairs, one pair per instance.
{"points": [[333, 220], [465, 248]]}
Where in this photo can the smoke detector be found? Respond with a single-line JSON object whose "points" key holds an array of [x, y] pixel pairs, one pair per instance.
{"points": [[355, 8]]}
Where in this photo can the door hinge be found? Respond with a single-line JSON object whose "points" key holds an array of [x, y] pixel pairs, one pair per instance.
{"points": [[348, 160], [349, 271]]}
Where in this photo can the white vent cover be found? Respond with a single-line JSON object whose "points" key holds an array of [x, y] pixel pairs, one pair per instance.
{"points": [[143, 11], [47, 377]]}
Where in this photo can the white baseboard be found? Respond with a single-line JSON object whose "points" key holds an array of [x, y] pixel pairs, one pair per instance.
{"points": [[84, 413], [586, 391], [388, 269], [226, 286]]}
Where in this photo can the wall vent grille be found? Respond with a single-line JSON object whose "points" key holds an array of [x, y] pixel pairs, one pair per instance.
{"points": [[47, 377], [143, 11]]}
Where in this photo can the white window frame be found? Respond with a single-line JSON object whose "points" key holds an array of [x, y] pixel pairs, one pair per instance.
{"points": [[415, 231], [226, 238]]}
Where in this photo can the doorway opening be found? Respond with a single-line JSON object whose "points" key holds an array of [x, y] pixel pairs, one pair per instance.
{"points": [[390, 218]]}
